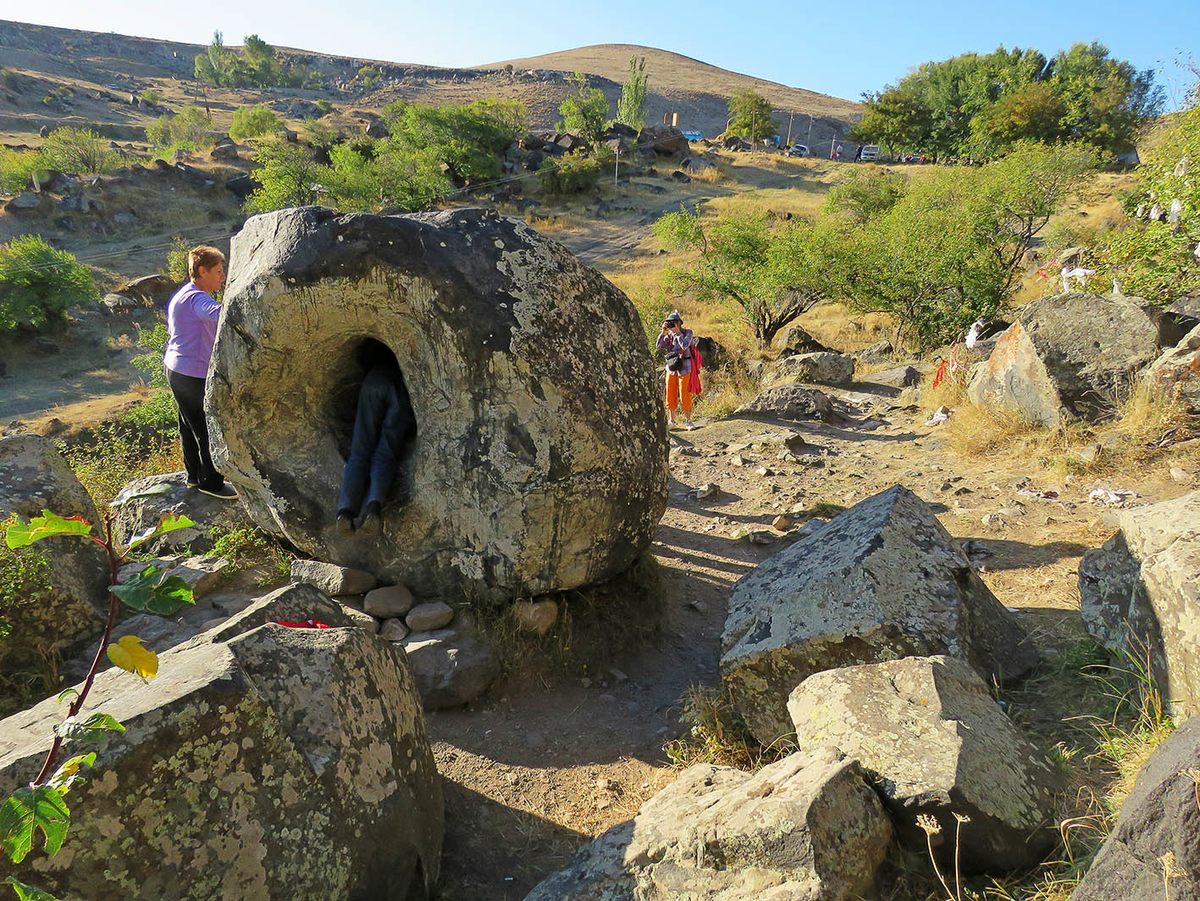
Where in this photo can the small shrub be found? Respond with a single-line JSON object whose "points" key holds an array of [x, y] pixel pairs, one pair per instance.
{"points": [[24, 583], [17, 168], [325, 106], [252, 121], [717, 734], [250, 547], [150, 97], [11, 80], [79, 151], [189, 127], [39, 283], [117, 455], [177, 258], [572, 173]]}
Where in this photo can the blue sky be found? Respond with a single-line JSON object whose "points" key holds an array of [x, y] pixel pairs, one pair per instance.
{"points": [[841, 48]]}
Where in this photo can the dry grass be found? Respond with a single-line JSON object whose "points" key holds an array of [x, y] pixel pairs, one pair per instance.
{"points": [[835, 326], [984, 431]]}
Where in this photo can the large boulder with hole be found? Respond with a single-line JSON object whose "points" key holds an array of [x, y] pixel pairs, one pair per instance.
{"points": [[282, 763], [65, 578], [881, 581], [935, 743], [168, 494], [807, 828], [1176, 373], [1153, 852], [1140, 594], [538, 465], [1068, 356]]}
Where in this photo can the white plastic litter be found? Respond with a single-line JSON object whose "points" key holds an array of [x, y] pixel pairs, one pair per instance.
{"points": [[940, 415], [1111, 497]]}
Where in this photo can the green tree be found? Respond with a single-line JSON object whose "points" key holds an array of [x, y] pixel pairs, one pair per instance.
{"points": [[79, 151], [261, 67], [1105, 99], [896, 118], [468, 138], [190, 126], [631, 108], [586, 113], [214, 64], [287, 174], [252, 121], [750, 116], [38, 284], [866, 193], [571, 173], [772, 271]]}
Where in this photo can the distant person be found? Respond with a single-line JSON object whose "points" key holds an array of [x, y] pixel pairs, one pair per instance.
{"points": [[192, 316], [383, 424], [858, 153], [678, 342]]}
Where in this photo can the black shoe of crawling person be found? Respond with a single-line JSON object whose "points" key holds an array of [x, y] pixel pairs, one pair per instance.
{"points": [[345, 522], [372, 522]]}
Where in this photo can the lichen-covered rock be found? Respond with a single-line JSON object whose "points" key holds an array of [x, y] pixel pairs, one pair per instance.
{"points": [[935, 743], [540, 461], [1177, 372], [332, 579], [807, 828], [791, 402], [881, 581], [284, 763], [1142, 590], [822, 367], [1159, 824], [206, 512], [34, 477], [1066, 357]]}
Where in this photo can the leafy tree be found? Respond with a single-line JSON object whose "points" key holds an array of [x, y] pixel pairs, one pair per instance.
{"points": [[252, 121], [17, 168], [287, 174], [255, 65], [896, 118], [1105, 99], [468, 138], [586, 113], [190, 126], [1156, 258], [750, 116], [77, 150], [866, 193], [410, 178], [214, 65], [773, 272], [631, 108], [572, 173], [39, 283], [260, 66]]}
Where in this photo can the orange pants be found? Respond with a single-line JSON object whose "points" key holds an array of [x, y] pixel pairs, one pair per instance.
{"points": [[678, 390]]}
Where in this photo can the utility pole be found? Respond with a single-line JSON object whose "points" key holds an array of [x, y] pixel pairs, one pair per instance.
{"points": [[788, 143], [616, 164], [808, 141]]}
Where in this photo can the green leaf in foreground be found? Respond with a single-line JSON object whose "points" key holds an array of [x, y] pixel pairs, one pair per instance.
{"points": [[169, 523], [91, 729], [30, 809], [68, 774], [20, 533], [153, 591], [130, 493], [28, 892]]}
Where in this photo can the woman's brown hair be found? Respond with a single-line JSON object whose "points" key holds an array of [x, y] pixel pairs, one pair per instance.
{"points": [[203, 257]]}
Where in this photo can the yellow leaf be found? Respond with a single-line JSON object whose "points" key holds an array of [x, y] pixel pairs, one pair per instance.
{"points": [[128, 654]]}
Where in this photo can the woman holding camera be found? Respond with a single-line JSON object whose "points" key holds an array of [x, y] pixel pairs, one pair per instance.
{"points": [[678, 342]]}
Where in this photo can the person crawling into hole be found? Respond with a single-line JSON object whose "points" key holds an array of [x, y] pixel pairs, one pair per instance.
{"points": [[383, 424]]}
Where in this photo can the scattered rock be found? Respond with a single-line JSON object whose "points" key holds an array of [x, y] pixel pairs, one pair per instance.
{"points": [[1177, 372], [537, 617], [428, 617], [393, 630], [26, 200], [1143, 589], [823, 367], [1182, 476], [119, 303], [554, 494], [934, 743], [331, 578], [707, 490], [791, 402], [1159, 823], [451, 666], [761, 536], [804, 829], [881, 581], [900, 377], [200, 573], [876, 353], [224, 152], [388, 601], [357, 617], [286, 736]]}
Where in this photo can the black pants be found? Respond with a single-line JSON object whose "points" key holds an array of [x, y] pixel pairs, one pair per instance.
{"points": [[193, 430]]}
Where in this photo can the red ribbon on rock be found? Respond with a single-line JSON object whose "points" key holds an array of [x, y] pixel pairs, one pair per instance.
{"points": [[307, 624]]}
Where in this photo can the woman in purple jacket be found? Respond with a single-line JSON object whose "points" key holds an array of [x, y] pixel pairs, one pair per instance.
{"points": [[192, 318], [678, 342]]}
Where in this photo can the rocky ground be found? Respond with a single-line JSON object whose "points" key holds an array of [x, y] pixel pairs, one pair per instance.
{"points": [[536, 768]]}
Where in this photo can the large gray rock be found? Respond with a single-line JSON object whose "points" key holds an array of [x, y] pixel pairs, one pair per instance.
{"points": [[1067, 356], [825, 368], [791, 402], [935, 743], [34, 477], [521, 480], [807, 828], [1142, 590], [176, 498], [1177, 372], [284, 763], [1160, 817], [883, 580]]}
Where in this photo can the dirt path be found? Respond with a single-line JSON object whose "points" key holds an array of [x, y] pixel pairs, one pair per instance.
{"points": [[533, 773]]}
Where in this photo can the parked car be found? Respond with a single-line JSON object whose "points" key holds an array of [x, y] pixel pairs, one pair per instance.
{"points": [[870, 153], [798, 150]]}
